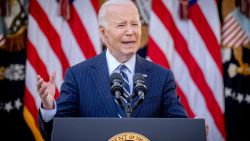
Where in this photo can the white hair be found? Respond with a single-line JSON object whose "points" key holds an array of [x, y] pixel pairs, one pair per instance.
{"points": [[102, 12]]}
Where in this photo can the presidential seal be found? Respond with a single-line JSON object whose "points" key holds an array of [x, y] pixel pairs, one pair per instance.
{"points": [[128, 136]]}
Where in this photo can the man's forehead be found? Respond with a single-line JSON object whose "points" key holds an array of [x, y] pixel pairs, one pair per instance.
{"points": [[122, 12]]}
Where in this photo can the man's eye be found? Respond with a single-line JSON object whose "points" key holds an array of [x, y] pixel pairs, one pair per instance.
{"points": [[120, 25]]}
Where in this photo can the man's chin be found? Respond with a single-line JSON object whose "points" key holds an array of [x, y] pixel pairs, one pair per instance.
{"points": [[130, 52]]}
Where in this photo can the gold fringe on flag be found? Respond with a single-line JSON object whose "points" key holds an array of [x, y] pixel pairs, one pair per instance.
{"points": [[32, 124]]}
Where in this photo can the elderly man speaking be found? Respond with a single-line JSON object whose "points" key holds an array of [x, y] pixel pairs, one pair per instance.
{"points": [[86, 90]]}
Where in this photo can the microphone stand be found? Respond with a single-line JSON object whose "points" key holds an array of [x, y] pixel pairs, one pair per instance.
{"points": [[124, 104], [139, 101], [119, 100], [129, 107]]}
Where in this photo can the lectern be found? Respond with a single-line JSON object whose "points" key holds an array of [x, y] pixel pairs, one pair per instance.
{"points": [[128, 129]]}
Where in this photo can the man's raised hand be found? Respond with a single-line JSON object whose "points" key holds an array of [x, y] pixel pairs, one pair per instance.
{"points": [[46, 91]]}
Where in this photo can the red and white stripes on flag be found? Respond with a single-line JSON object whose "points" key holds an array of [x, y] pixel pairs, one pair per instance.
{"points": [[191, 49], [54, 44], [233, 35]]}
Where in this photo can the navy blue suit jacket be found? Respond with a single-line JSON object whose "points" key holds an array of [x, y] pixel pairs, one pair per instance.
{"points": [[86, 92]]}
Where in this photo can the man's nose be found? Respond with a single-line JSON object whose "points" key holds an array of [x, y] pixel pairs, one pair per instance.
{"points": [[130, 30]]}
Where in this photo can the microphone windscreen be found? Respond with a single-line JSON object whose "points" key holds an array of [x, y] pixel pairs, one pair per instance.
{"points": [[139, 84], [114, 76], [138, 76]]}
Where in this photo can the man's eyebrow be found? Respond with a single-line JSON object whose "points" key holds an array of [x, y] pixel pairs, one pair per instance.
{"points": [[121, 22], [135, 21]]}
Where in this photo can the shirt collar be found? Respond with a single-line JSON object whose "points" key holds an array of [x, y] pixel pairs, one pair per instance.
{"points": [[113, 63]]}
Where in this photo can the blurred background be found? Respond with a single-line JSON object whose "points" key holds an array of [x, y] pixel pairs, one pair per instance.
{"points": [[206, 43]]}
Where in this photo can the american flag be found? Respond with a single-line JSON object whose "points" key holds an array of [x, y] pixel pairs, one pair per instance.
{"points": [[54, 44], [191, 49], [233, 35]]}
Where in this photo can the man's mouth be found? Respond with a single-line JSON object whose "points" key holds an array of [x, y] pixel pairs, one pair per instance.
{"points": [[129, 42]]}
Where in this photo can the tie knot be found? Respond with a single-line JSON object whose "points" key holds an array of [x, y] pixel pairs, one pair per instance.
{"points": [[122, 68]]}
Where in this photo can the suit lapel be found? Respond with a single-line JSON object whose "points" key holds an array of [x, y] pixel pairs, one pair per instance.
{"points": [[101, 76]]}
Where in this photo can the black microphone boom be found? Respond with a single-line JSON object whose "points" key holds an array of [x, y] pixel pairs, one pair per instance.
{"points": [[116, 88], [140, 88]]}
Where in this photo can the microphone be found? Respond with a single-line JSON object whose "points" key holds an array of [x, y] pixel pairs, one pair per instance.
{"points": [[140, 88], [116, 87]]}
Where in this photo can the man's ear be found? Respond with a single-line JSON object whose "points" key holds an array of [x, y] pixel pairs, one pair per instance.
{"points": [[103, 34]]}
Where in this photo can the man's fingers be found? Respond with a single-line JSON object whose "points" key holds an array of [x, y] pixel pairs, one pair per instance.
{"points": [[44, 95], [39, 83], [42, 89], [52, 77], [38, 77]]}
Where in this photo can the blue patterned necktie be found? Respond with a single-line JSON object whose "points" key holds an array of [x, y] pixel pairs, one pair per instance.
{"points": [[126, 86]]}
